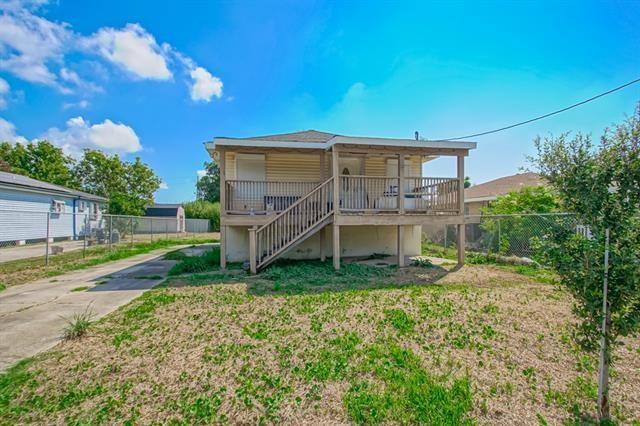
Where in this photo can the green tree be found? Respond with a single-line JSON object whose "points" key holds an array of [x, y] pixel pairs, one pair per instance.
{"points": [[128, 185], [600, 183], [208, 186], [202, 209], [39, 160], [509, 223], [467, 182], [530, 199]]}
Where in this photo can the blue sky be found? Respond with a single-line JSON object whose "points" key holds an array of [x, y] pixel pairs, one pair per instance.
{"points": [[157, 79]]}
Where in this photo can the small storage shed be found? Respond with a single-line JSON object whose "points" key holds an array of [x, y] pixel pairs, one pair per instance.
{"points": [[171, 217]]}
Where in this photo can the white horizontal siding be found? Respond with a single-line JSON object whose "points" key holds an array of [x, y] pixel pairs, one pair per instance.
{"points": [[23, 216]]}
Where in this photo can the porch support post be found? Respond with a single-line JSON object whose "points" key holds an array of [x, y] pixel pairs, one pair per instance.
{"points": [[252, 249], [336, 246], [223, 247], [400, 246], [461, 226], [223, 182], [336, 206], [323, 177], [336, 179], [401, 183]]}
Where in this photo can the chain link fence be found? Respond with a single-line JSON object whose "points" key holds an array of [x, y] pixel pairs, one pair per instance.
{"points": [[29, 234], [509, 235]]}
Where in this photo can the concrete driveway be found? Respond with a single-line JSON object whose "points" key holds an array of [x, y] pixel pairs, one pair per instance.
{"points": [[33, 315]]}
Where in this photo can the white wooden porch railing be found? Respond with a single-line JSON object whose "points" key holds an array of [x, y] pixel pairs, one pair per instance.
{"points": [[298, 221], [380, 194], [432, 194], [248, 196], [367, 193]]}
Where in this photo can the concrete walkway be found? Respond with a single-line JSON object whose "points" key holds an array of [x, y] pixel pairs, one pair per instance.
{"points": [[32, 316]]}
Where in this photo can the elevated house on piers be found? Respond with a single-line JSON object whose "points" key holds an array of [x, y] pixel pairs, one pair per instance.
{"points": [[310, 194]]}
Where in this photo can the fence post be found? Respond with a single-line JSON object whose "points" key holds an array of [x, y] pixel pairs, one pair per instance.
{"points": [[445, 237], [86, 233], [603, 370], [166, 230], [110, 231], [131, 231], [46, 259], [151, 229], [499, 235]]}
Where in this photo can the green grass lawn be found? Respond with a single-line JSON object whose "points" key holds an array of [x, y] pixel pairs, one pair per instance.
{"points": [[26, 270], [300, 343]]}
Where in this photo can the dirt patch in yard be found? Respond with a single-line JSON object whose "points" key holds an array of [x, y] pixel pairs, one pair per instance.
{"points": [[419, 345]]}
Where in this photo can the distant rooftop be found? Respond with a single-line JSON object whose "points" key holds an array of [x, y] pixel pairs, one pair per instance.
{"points": [[24, 182], [490, 190]]}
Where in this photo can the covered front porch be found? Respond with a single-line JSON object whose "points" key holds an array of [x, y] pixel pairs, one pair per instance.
{"points": [[366, 183]]}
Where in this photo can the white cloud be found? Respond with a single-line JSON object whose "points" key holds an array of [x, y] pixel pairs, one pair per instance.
{"points": [[107, 136], [132, 48], [28, 43], [205, 86], [163, 186], [83, 104], [8, 132], [201, 173], [4, 91], [37, 50]]}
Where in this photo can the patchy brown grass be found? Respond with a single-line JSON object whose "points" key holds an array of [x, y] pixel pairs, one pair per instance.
{"points": [[248, 350]]}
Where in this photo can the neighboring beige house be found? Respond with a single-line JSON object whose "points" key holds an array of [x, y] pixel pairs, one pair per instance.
{"points": [[479, 196], [311, 194]]}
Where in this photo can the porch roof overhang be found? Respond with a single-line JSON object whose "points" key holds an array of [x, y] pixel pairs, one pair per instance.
{"points": [[346, 141]]}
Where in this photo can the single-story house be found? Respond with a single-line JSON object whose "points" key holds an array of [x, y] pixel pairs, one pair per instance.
{"points": [[25, 204], [307, 194], [166, 218], [480, 196]]}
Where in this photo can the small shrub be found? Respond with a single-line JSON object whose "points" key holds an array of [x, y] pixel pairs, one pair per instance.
{"points": [[2, 286], [422, 262], [78, 325]]}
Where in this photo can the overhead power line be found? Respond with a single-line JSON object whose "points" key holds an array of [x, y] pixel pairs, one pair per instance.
{"points": [[540, 117]]}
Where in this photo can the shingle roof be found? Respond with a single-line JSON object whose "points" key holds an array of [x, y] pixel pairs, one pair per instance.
{"points": [[163, 210], [303, 136], [20, 181], [503, 185]]}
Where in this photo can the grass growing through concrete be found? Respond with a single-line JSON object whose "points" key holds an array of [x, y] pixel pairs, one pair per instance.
{"points": [[26, 270], [300, 344], [208, 261]]}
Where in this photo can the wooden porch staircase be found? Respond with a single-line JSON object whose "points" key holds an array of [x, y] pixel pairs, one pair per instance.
{"points": [[290, 227]]}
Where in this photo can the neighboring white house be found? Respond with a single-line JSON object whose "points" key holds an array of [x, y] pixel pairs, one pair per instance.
{"points": [[25, 204]]}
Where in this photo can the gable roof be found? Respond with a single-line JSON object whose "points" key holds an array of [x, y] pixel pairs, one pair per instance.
{"points": [[163, 210], [23, 182], [488, 191], [303, 136], [314, 139]]}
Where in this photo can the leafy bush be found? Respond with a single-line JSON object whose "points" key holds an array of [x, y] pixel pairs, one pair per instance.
{"points": [[201, 209]]}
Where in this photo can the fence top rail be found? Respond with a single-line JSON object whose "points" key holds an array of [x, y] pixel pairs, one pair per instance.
{"points": [[519, 215], [271, 181]]}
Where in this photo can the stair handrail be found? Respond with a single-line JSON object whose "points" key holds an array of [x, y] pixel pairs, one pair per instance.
{"points": [[295, 204], [255, 248]]}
